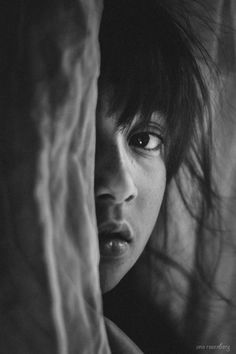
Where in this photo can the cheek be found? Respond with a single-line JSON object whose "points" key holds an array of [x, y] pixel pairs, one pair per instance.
{"points": [[151, 187], [151, 182]]}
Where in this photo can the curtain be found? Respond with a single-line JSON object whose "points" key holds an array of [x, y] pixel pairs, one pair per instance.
{"points": [[50, 296]]}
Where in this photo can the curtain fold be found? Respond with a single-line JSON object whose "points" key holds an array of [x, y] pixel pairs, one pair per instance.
{"points": [[50, 298]]}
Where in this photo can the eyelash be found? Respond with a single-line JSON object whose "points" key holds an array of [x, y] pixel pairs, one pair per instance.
{"points": [[142, 136]]}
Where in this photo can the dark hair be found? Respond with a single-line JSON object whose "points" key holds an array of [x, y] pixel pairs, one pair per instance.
{"points": [[148, 62], [152, 61]]}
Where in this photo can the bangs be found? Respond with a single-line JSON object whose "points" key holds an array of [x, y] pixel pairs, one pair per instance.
{"points": [[148, 65], [132, 66]]}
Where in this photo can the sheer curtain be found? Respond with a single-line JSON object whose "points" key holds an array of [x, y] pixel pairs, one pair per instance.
{"points": [[50, 296]]}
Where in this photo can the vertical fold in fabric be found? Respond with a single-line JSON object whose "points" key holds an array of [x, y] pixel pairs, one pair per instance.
{"points": [[50, 296]]}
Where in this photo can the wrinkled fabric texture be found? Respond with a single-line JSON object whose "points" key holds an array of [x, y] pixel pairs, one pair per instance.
{"points": [[50, 299], [50, 296]]}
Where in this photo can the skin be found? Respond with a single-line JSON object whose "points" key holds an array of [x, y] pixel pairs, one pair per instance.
{"points": [[130, 180]]}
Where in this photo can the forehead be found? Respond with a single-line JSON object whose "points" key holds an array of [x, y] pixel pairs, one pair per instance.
{"points": [[104, 111], [128, 106]]}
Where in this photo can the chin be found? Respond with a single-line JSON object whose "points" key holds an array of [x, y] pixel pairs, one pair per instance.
{"points": [[107, 284], [111, 275]]}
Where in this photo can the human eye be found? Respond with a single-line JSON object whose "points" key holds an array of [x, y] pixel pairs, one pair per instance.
{"points": [[146, 140]]}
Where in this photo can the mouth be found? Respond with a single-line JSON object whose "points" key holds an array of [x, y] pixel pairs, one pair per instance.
{"points": [[114, 239]]}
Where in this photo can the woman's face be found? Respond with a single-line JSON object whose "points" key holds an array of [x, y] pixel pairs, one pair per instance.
{"points": [[130, 179]]}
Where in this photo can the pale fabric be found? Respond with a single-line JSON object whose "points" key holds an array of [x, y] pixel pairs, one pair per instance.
{"points": [[50, 298]]}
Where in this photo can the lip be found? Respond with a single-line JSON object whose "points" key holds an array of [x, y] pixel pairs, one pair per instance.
{"points": [[121, 229], [114, 239]]}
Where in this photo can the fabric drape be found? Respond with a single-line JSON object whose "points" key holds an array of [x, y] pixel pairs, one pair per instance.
{"points": [[50, 296]]}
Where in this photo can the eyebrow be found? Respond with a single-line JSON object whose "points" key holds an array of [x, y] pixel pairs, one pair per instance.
{"points": [[157, 119]]}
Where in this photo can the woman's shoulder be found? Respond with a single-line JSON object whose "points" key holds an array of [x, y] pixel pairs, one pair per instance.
{"points": [[119, 342]]}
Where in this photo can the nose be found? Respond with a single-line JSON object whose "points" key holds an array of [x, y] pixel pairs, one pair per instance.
{"points": [[114, 178]]}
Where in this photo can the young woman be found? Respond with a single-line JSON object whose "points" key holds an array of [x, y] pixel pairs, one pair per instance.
{"points": [[153, 127]]}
